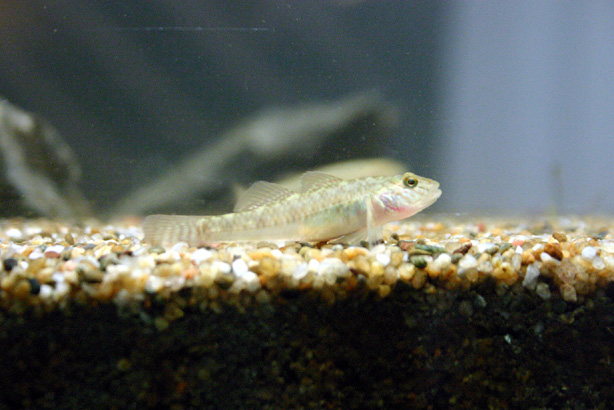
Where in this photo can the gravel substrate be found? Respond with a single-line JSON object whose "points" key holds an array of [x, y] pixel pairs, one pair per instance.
{"points": [[480, 313]]}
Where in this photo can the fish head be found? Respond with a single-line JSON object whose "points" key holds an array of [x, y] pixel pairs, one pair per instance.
{"points": [[402, 196]]}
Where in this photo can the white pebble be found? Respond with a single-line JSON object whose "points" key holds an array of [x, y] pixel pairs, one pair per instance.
{"points": [[383, 259], [589, 252], [607, 245], [486, 267], [543, 291], [252, 282], [485, 247], [180, 246], [220, 267], [201, 255], [55, 249], [313, 265], [546, 258], [537, 247], [239, 267], [58, 277], [332, 268], [598, 263], [468, 262], [61, 289], [36, 254], [45, 291], [301, 271], [289, 265], [443, 261], [13, 233], [530, 278]]}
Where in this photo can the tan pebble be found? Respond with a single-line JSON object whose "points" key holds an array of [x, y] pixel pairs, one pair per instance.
{"points": [[568, 292], [260, 253], [353, 251], [377, 269], [497, 231], [71, 276], [76, 253], [384, 290], [406, 272], [173, 312], [262, 296], [373, 282], [44, 275], [214, 292], [390, 275], [91, 275], [419, 279], [506, 273], [432, 269], [452, 282], [396, 258], [560, 236], [69, 239], [471, 275], [161, 324], [8, 282], [206, 275], [542, 290], [527, 258], [21, 290], [289, 265], [554, 250], [583, 288], [35, 265], [269, 266], [360, 264], [117, 249], [484, 258]]}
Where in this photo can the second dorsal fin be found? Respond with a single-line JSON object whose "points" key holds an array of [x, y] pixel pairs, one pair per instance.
{"points": [[311, 180], [261, 193]]}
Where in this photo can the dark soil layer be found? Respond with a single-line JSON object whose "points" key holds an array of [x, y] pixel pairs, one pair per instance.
{"points": [[488, 348]]}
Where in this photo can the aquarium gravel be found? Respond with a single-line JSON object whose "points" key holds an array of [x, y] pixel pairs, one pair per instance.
{"points": [[446, 313], [48, 265]]}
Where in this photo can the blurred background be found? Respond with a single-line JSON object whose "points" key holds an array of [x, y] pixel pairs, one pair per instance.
{"points": [[508, 105]]}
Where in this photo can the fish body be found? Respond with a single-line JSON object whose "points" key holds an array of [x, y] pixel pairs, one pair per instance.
{"points": [[326, 208]]}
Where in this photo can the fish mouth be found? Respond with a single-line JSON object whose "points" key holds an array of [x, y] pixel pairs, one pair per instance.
{"points": [[430, 200]]}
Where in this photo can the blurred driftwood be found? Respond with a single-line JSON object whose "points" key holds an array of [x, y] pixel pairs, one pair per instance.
{"points": [[39, 171]]}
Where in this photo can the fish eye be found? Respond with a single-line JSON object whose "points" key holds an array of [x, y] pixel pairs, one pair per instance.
{"points": [[410, 182]]}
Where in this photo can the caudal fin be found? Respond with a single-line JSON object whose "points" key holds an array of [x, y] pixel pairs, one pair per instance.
{"points": [[170, 229]]}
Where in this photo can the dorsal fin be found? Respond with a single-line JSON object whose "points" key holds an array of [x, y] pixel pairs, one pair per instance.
{"points": [[259, 194], [311, 180]]}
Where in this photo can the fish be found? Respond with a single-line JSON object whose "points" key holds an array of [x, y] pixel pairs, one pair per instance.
{"points": [[327, 208]]}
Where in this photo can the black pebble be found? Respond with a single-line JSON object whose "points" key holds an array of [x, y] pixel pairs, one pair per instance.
{"points": [[9, 264], [35, 286]]}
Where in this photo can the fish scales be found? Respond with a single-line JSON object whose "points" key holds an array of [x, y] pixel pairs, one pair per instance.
{"points": [[326, 208]]}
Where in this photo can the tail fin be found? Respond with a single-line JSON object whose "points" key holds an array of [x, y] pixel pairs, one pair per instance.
{"points": [[169, 229]]}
